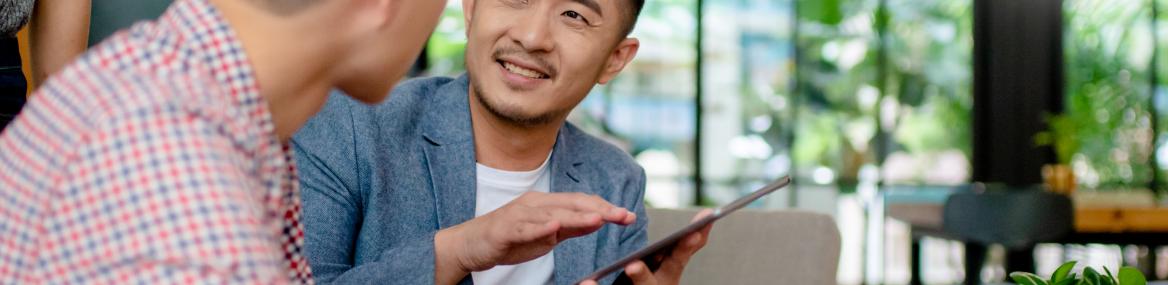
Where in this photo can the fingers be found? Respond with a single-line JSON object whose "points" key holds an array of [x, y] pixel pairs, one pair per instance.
{"points": [[534, 224], [701, 237], [573, 219], [576, 215], [575, 224], [585, 203], [673, 265], [695, 241], [629, 219], [639, 273], [702, 214], [588, 282], [533, 231], [705, 230]]}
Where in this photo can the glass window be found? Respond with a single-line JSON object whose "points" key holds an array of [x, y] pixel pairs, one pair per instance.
{"points": [[927, 103], [1160, 93], [835, 117], [748, 80], [1108, 47], [649, 108]]}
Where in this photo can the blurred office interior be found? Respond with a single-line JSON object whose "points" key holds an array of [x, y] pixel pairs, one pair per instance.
{"points": [[884, 110], [871, 104]]}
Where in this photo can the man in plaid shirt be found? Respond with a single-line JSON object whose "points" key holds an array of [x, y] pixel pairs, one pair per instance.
{"points": [[160, 156]]}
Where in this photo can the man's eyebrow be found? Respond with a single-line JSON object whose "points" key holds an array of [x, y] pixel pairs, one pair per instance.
{"points": [[591, 4]]}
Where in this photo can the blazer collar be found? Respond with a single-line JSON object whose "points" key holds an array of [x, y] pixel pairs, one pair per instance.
{"points": [[449, 151]]}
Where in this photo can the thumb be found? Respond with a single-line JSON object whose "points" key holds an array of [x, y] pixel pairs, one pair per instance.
{"points": [[640, 274]]}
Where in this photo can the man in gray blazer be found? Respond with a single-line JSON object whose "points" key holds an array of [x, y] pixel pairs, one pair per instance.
{"points": [[479, 179]]}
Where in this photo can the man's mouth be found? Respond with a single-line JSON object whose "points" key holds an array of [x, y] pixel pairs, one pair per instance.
{"points": [[522, 71]]}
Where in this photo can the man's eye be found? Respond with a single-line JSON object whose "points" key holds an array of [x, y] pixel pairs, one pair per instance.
{"points": [[575, 15]]}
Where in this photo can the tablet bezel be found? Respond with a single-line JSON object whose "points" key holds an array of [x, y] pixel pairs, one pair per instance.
{"points": [[671, 240]]}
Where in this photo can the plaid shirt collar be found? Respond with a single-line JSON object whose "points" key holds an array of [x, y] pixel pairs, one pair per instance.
{"points": [[206, 36], [210, 40], [211, 45]]}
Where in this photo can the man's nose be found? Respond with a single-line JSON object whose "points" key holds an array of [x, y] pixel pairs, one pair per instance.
{"points": [[533, 31]]}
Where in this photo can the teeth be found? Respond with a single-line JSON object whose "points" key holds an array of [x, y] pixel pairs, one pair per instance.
{"points": [[522, 71]]}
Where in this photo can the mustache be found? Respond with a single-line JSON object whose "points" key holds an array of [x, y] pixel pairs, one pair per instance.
{"points": [[528, 57]]}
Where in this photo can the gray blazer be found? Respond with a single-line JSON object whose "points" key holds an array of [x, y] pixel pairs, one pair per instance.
{"points": [[379, 181]]}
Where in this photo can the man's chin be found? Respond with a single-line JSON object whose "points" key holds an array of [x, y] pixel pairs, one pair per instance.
{"points": [[517, 115], [513, 112], [368, 94]]}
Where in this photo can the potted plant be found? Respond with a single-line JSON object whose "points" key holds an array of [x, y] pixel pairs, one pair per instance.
{"points": [[1061, 136], [1062, 276]]}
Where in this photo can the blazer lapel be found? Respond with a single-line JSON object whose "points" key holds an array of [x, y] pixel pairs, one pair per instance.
{"points": [[574, 258], [452, 174], [449, 151]]}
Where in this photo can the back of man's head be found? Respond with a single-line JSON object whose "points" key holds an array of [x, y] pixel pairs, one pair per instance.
{"points": [[368, 44]]}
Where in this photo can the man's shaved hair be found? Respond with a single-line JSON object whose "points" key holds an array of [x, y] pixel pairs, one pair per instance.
{"points": [[631, 14]]}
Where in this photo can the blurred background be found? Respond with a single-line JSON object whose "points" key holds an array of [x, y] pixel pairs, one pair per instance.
{"points": [[953, 141], [878, 105]]}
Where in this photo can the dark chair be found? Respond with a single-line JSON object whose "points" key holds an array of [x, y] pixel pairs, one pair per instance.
{"points": [[109, 16], [1015, 219]]}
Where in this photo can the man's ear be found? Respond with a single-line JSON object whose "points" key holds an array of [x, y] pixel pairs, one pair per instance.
{"points": [[378, 14], [620, 57]]}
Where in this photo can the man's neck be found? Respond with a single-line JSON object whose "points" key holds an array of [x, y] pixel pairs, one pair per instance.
{"points": [[507, 146], [294, 79]]}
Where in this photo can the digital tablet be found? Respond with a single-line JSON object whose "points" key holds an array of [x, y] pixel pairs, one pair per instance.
{"points": [[650, 253]]}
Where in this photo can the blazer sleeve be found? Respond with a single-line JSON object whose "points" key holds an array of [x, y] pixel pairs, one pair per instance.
{"points": [[636, 236], [333, 207]]}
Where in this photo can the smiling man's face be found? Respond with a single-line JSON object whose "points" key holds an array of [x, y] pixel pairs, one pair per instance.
{"points": [[531, 61]]}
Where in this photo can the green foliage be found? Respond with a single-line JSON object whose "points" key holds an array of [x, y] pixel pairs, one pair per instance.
{"points": [[446, 46], [1131, 276], [1063, 276], [913, 57], [1063, 272], [1108, 52], [1092, 277], [822, 11], [1062, 134], [1024, 278]]}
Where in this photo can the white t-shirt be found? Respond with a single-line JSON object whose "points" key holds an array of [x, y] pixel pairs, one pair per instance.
{"points": [[495, 189]]}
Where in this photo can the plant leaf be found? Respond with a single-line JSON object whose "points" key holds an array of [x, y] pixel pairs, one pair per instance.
{"points": [[1110, 277], [1067, 281], [1062, 272], [1025, 278], [1131, 276], [1091, 277]]}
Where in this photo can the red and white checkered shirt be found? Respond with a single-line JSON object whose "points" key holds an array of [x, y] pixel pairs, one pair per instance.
{"points": [[151, 160]]}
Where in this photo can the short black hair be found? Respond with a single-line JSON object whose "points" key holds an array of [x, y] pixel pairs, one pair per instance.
{"points": [[632, 15]]}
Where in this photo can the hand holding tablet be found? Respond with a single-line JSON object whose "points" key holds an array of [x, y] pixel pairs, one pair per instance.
{"points": [[654, 254]]}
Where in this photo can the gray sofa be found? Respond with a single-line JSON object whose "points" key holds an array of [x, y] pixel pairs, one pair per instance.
{"points": [[758, 247]]}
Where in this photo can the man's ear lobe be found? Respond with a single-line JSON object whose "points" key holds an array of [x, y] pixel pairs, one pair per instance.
{"points": [[619, 58]]}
